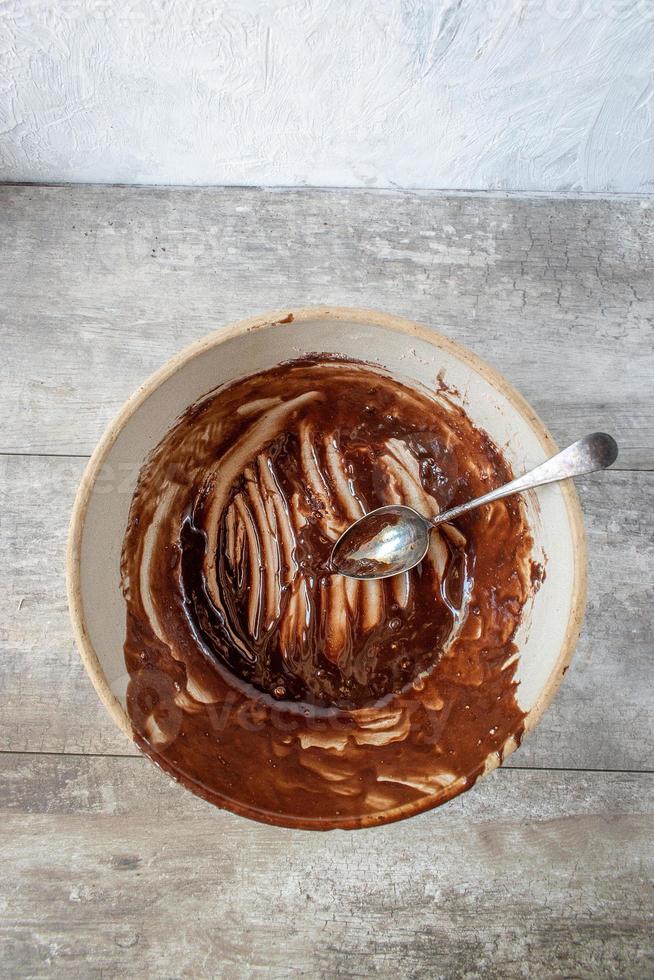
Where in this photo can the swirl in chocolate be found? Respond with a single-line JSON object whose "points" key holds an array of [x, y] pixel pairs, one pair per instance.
{"points": [[275, 687]]}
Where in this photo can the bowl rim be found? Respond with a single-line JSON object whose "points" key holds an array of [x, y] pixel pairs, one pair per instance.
{"points": [[270, 320]]}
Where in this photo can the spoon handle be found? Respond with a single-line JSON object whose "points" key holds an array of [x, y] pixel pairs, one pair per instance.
{"points": [[594, 452]]}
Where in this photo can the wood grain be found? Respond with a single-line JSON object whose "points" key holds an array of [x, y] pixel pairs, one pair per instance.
{"points": [[111, 870], [116, 872], [100, 285], [599, 718]]}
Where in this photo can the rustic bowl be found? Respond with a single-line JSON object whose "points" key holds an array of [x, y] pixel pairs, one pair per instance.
{"points": [[550, 627]]}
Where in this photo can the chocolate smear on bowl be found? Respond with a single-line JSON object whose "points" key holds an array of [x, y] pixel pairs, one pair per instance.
{"points": [[273, 686]]}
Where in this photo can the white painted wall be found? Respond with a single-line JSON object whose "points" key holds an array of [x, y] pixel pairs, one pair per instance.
{"points": [[549, 95]]}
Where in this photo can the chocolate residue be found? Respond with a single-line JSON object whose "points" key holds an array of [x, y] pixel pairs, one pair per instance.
{"points": [[537, 575], [267, 683]]}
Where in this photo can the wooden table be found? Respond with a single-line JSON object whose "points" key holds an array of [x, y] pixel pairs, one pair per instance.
{"points": [[111, 870]]}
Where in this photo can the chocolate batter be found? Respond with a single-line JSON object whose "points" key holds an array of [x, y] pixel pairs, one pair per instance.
{"points": [[275, 687]]}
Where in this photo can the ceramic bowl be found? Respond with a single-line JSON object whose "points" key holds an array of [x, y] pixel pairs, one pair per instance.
{"points": [[412, 351]]}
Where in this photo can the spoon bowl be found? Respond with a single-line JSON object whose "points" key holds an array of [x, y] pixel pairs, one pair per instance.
{"points": [[385, 542]]}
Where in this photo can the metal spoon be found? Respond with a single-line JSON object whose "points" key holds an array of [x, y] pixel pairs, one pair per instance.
{"points": [[390, 540]]}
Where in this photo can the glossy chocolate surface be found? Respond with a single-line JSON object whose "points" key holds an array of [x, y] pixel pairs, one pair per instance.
{"points": [[271, 685]]}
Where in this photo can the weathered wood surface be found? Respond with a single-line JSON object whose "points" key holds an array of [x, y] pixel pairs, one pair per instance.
{"points": [[599, 718], [100, 285], [111, 870]]}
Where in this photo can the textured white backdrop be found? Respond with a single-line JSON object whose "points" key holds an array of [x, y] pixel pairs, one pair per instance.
{"points": [[552, 95]]}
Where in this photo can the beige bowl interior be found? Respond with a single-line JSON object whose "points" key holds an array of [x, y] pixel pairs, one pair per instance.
{"points": [[410, 351]]}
